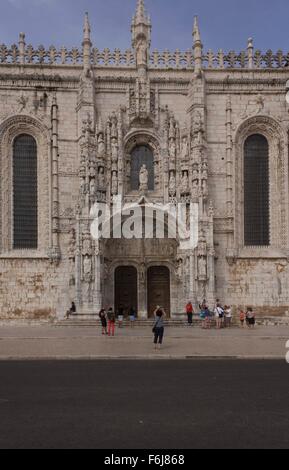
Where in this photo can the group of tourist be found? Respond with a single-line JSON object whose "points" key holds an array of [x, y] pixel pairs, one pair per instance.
{"points": [[109, 319], [222, 315]]}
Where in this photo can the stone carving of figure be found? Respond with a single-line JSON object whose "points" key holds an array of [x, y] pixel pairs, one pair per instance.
{"points": [[92, 187], [101, 178], [195, 189], [142, 272], [172, 184], [143, 178], [87, 268], [114, 184], [141, 53], [184, 148], [101, 146], [114, 150], [202, 267], [180, 269], [195, 173], [185, 183], [172, 149]]}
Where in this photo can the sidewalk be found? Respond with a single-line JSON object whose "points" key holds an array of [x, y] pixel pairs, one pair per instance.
{"points": [[48, 342]]}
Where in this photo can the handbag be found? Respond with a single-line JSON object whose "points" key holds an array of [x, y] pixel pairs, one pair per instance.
{"points": [[155, 327]]}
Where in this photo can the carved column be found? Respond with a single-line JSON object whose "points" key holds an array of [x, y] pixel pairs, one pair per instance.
{"points": [[229, 177], [55, 249]]}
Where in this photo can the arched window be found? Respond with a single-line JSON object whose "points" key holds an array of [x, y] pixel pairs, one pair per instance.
{"points": [[141, 155], [256, 191], [25, 219]]}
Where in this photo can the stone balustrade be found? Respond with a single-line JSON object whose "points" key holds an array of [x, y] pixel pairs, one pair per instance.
{"points": [[157, 60]]}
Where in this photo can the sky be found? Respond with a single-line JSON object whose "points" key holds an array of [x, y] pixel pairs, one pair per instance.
{"points": [[225, 24]]}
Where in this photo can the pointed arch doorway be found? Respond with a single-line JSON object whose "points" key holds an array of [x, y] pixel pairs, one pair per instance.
{"points": [[159, 289]]}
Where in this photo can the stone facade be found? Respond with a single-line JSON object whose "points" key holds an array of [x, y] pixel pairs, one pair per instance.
{"points": [[88, 110]]}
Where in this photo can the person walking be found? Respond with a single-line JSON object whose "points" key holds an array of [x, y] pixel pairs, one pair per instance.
{"points": [[159, 327], [190, 313], [103, 320], [111, 322]]}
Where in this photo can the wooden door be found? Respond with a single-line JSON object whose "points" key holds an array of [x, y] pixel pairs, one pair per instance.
{"points": [[159, 289], [126, 288]]}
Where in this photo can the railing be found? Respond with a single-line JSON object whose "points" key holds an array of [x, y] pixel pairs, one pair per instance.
{"points": [[158, 60]]}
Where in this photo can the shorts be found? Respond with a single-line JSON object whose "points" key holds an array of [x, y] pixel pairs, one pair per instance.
{"points": [[120, 318], [132, 318]]}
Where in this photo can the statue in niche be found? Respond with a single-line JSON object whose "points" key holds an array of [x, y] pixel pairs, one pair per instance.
{"points": [[172, 184], [92, 188], [184, 152], [202, 265], [87, 268], [185, 183], [101, 178], [141, 53], [143, 178], [101, 146], [172, 149], [195, 173], [114, 184], [195, 189], [114, 150], [180, 269]]}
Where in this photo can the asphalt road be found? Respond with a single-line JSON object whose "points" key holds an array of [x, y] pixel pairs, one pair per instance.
{"points": [[144, 404]]}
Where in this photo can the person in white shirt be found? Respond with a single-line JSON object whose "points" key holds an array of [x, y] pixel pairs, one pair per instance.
{"points": [[228, 316]]}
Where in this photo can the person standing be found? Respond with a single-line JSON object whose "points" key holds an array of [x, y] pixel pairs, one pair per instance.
{"points": [[228, 316], [219, 316], [103, 320], [159, 327], [190, 312], [132, 317], [120, 316], [242, 318], [251, 320], [111, 322]]}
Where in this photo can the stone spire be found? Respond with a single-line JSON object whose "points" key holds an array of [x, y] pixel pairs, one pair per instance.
{"points": [[198, 46], [141, 35], [86, 44]]}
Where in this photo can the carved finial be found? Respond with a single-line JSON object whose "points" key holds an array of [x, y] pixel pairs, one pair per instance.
{"points": [[250, 50], [196, 30], [141, 35], [198, 46], [86, 28], [140, 16], [250, 43], [87, 45]]}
